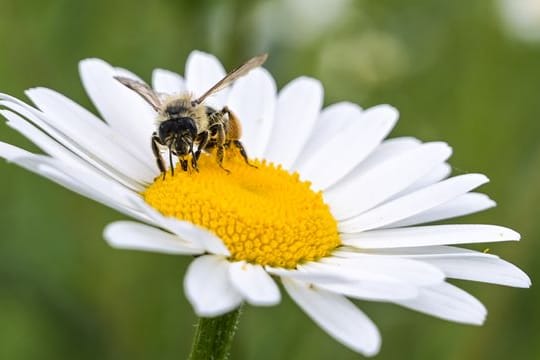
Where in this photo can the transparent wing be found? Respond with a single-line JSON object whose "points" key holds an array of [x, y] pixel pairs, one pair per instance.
{"points": [[143, 90], [234, 75]]}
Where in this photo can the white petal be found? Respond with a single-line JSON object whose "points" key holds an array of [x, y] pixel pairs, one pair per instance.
{"points": [[208, 288], [340, 318], [207, 240], [298, 106], [352, 281], [80, 180], [367, 190], [413, 203], [167, 82], [202, 72], [448, 302], [364, 285], [372, 290], [255, 285], [482, 267], [127, 113], [10, 152], [429, 235], [39, 138], [72, 153], [332, 120], [137, 236], [387, 150], [319, 276], [89, 133], [370, 266], [462, 205], [253, 99], [328, 164], [420, 253], [438, 173], [186, 230], [127, 73]]}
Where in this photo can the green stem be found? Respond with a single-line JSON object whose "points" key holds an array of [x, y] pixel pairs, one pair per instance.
{"points": [[214, 336]]}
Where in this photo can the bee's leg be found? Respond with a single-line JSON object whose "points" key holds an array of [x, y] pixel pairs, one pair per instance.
{"points": [[203, 141], [194, 163], [157, 154], [242, 150], [171, 161], [184, 164], [220, 144]]}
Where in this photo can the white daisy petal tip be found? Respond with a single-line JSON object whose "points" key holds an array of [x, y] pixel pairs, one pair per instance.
{"points": [[254, 283], [91, 64], [136, 236], [339, 317], [203, 70], [167, 82], [419, 236], [386, 110], [448, 302], [203, 55], [297, 109], [506, 234], [483, 267], [524, 280], [208, 288], [10, 152]]}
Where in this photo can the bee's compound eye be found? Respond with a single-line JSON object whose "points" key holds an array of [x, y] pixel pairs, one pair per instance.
{"points": [[188, 124], [165, 129]]}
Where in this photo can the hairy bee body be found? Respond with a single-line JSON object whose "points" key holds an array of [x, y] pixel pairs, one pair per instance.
{"points": [[181, 106], [187, 127]]}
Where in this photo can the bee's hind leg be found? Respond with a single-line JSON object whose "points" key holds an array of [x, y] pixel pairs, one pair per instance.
{"points": [[242, 150], [220, 144]]}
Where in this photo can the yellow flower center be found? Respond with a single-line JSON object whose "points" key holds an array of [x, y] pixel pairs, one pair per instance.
{"points": [[264, 215]]}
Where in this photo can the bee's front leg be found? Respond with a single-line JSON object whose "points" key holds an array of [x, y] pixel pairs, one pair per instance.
{"points": [[171, 164], [156, 141], [184, 164]]}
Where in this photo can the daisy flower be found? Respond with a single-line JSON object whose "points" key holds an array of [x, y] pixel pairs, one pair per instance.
{"points": [[333, 211]]}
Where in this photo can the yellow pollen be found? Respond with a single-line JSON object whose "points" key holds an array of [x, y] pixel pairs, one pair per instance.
{"points": [[264, 215]]}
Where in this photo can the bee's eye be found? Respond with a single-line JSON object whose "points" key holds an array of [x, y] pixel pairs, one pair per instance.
{"points": [[188, 124]]}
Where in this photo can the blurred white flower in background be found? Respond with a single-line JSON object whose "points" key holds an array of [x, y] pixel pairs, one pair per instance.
{"points": [[371, 59], [298, 21], [521, 18]]}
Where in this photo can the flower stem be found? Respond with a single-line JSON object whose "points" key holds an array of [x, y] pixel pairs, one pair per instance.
{"points": [[214, 336]]}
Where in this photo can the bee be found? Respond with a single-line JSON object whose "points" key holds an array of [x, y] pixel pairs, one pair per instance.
{"points": [[187, 127]]}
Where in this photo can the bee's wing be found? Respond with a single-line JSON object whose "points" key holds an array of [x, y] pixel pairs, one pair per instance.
{"points": [[234, 75], [143, 90]]}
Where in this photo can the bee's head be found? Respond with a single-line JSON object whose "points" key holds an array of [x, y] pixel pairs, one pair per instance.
{"points": [[179, 134], [175, 110]]}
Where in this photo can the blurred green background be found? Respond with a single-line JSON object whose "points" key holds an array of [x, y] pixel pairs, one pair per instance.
{"points": [[458, 71]]}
